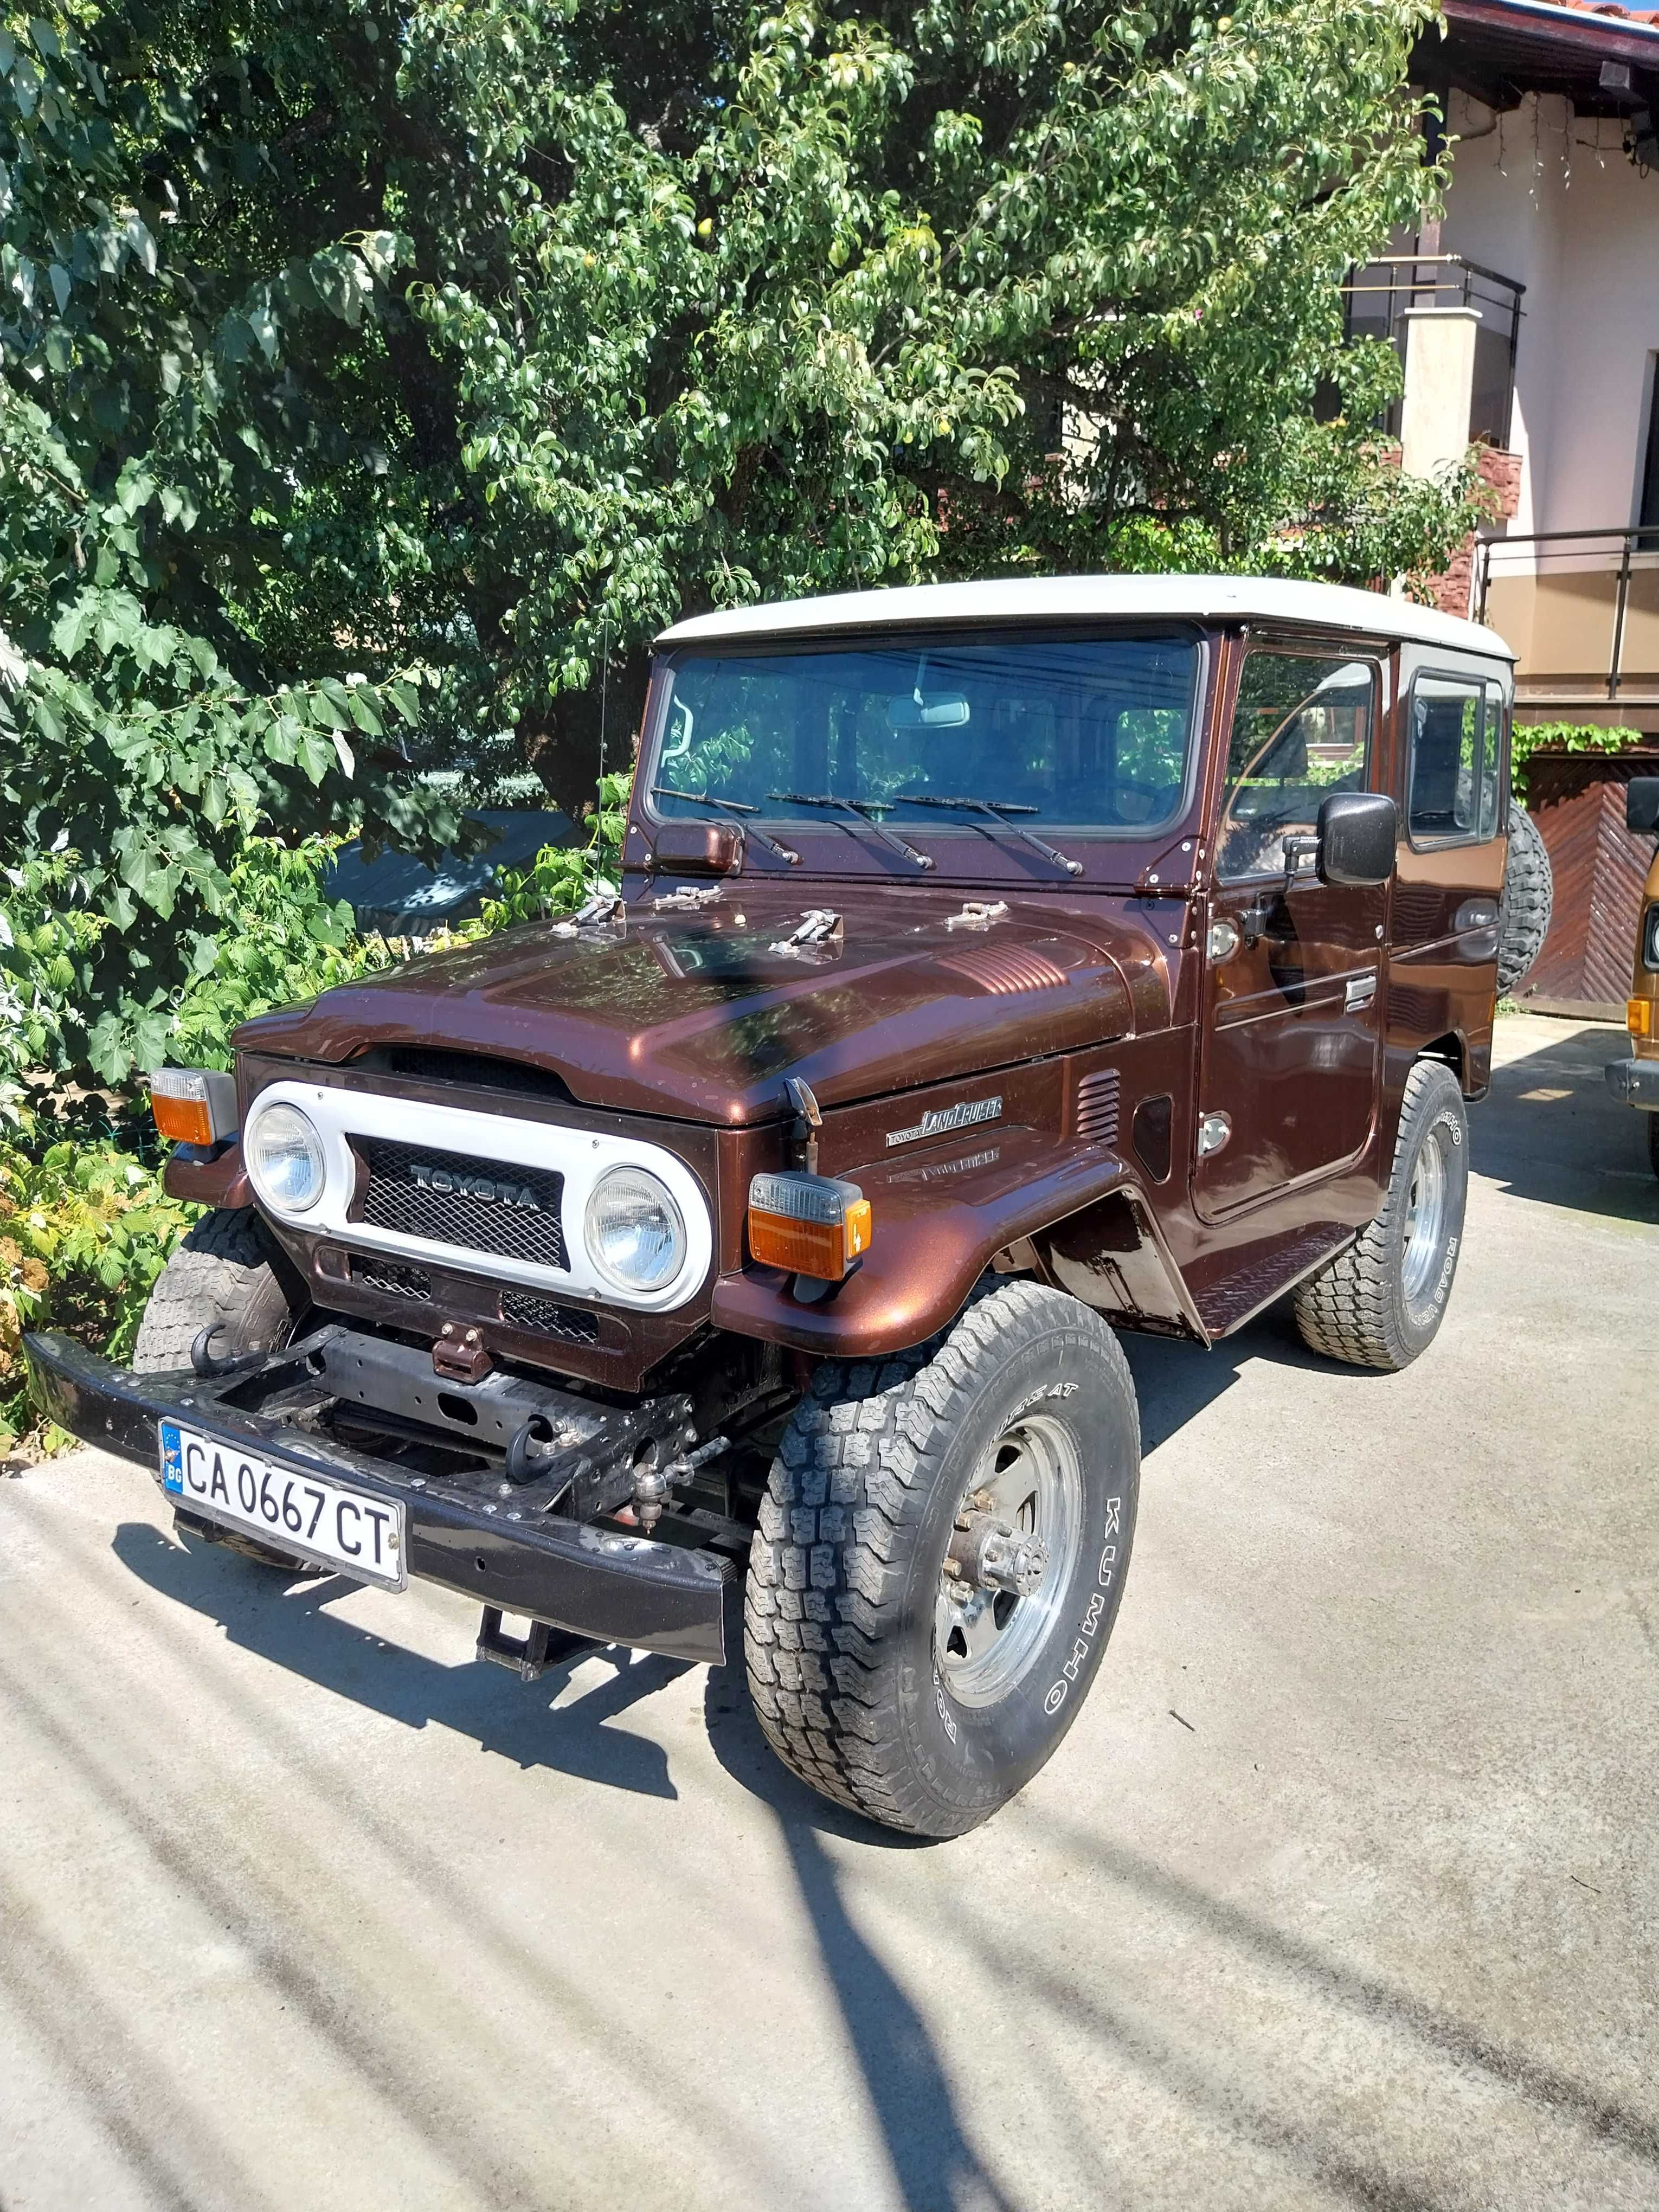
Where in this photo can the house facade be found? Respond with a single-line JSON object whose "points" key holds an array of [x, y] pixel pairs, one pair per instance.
{"points": [[1528, 318]]}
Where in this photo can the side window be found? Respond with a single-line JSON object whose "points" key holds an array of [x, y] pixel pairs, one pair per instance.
{"points": [[1491, 762], [1302, 729], [1455, 725]]}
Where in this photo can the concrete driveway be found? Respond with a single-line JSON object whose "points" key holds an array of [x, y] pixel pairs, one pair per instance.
{"points": [[1341, 1892]]}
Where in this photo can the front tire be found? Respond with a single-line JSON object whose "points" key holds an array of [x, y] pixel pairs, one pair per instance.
{"points": [[1380, 1302], [921, 1695], [221, 1279]]}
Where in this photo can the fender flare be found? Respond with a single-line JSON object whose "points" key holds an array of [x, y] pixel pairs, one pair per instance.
{"points": [[1020, 1200]]}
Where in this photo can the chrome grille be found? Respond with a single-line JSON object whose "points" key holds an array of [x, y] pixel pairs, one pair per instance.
{"points": [[525, 1309], [399, 1202], [392, 1278]]}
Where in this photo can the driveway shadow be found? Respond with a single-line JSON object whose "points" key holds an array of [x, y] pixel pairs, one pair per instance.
{"points": [[293, 1628], [1550, 1131]]}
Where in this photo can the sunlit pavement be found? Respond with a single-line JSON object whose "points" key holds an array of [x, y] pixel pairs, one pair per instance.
{"points": [[1342, 1891]]}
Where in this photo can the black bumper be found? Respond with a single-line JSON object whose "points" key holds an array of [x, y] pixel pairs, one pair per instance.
{"points": [[1635, 1083], [594, 1581]]}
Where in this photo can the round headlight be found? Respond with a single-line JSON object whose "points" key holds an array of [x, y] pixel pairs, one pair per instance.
{"points": [[635, 1236], [284, 1156]]}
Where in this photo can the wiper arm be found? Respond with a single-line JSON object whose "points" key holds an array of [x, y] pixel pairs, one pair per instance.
{"points": [[862, 811], [729, 807], [998, 811]]}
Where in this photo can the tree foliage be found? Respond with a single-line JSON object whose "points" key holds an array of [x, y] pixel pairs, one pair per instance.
{"points": [[369, 369]]}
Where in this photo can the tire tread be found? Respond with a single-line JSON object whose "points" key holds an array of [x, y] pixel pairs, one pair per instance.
{"points": [[1345, 1311], [828, 1557]]}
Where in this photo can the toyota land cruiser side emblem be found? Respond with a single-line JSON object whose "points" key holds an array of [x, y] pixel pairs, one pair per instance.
{"points": [[491, 1188], [938, 1119]]}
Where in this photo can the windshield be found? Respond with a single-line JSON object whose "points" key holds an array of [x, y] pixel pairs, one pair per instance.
{"points": [[1067, 733]]}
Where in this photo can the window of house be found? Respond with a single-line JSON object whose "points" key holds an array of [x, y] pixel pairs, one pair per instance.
{"points": [[1647, 514], [1302, 729], [1455, 724]]}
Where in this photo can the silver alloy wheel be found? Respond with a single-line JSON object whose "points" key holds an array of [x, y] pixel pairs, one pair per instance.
{"points": [[1425, 1222], [1031, 1480]]}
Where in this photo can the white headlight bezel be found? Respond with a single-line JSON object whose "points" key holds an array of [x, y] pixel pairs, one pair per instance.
{"points": [[263, 1113], [581, 1155]]}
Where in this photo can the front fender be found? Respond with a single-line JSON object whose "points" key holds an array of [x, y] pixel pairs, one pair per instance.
{"points": [[939, 1218]]}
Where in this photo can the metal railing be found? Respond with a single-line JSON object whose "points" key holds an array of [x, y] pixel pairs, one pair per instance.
{"points": [[1375, 297], [1581, 608]]}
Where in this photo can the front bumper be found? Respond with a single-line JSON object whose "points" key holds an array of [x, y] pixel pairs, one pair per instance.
{"points": [[593, 1580], [1635, 1083]]}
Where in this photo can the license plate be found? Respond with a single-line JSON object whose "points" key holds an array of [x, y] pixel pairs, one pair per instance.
{"points": [[311, 1516]]}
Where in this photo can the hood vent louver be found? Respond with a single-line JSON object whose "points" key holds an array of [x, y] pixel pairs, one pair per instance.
{"points": [[1003, 968]]}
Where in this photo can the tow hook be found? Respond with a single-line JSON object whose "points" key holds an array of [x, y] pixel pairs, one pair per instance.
{"points": [[986, 1554]]}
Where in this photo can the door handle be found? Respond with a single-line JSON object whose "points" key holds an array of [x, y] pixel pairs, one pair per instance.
{"points": [[1361, 990]]}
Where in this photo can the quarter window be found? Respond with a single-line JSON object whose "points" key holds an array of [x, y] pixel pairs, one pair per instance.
{"points": [[1455, 725], [1302, 729]]}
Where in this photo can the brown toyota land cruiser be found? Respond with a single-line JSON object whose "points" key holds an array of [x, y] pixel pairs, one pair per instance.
{"points": [[994, 967]]}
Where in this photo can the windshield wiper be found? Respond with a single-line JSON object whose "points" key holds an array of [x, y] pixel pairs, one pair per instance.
{"points": [[998, 810], [862, 811], [729, 807]]}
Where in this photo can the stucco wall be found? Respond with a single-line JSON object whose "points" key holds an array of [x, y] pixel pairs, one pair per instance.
{"points": [[1534, 199]]}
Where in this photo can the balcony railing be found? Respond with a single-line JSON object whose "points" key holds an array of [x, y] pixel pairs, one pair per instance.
{"points": [[1581, 608], [1375, 299]]}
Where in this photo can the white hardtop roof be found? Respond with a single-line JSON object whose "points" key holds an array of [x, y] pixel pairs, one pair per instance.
{"points": [[1039, 598]]}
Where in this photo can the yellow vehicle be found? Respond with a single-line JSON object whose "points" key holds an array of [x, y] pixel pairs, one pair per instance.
{"points": [[1635, 1081]]}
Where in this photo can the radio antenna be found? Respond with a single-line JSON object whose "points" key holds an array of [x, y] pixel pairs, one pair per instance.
{"points": [[605, 697]]}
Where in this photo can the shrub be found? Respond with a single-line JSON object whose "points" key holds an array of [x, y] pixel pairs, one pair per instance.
{"points": [[84, 1231]]}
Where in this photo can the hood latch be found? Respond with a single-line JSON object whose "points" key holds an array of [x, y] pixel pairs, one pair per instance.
{"points": [[819, 927]]}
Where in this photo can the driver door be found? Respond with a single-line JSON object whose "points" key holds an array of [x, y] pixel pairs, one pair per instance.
{"points": [[1292, 971]]}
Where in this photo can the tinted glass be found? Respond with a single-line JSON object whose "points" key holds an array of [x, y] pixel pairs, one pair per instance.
{"points": [[1093, 734], [1491, 773], [1453, 761], [1302, 729]]}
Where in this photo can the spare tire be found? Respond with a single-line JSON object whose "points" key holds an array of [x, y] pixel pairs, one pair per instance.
{"points": [[1528, 899]]}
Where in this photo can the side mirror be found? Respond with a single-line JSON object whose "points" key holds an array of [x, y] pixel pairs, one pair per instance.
{"points": [[697, 849], [1358, 833], [1642, 805]]}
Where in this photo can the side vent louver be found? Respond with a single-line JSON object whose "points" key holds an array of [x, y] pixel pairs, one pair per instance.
{"points": [[1094, 1113]]}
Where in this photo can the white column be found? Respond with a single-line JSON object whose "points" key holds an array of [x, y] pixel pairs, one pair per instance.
{"points": [[1434, 417]]}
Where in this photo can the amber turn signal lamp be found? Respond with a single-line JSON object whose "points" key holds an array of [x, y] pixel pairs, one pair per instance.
{"points": [[1638, 1017], [809, 1225], [193, 1105]]}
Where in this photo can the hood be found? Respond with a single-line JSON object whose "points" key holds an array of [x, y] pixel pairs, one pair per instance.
{"points": [[702, 1002]]}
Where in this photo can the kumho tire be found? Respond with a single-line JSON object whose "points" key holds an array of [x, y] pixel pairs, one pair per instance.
{"points": [[845, 1599], [1380, 1302]]}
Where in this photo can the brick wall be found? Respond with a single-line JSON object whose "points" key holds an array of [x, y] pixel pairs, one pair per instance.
{"points": [[1502, 470]]}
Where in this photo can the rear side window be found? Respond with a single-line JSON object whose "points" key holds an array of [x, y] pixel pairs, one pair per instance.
{"points": [[1456, 727], [1302, 729]]}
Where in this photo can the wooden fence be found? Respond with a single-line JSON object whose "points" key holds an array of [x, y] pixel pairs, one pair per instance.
{"points": [[1578, 801]]}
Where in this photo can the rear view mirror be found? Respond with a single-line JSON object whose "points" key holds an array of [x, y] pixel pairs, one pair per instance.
{"points": [[1358, 831], [1642, 805], [939, 710]]}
